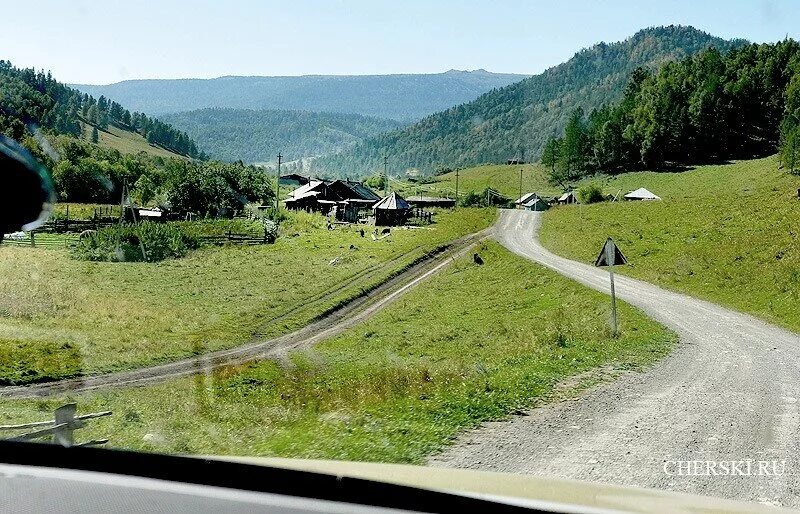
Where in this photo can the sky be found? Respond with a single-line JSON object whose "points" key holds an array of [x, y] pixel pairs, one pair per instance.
{"points": [[105, 41]]}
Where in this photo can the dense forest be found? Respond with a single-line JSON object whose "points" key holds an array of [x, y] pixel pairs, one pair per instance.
{"points": [[29, 98], [706, 108], [258, 136], [401, 97], [518, 120]]}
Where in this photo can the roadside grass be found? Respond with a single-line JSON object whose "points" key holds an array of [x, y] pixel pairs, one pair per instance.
{"points": [[725, 233], [500, 177], [84, 211], [62, 317], [474, 343]]}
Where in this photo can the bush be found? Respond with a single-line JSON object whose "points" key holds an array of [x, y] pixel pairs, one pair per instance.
{"points": [[123, 243], [590, 193]]}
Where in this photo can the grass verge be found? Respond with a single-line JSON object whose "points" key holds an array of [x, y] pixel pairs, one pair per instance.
{"points": [[474, 343]]}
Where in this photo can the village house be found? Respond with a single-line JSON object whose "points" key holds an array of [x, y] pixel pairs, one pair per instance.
{"points": [[532, 202], [421, 202], [343, 199]]}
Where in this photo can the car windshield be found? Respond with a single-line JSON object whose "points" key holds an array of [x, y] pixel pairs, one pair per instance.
{"points": [[543, 238]]}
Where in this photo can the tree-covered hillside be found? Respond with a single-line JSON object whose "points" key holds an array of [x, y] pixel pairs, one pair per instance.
{"points": [[521, 117], [258, 136], [406, 97], [706, 108], [29, 98]]}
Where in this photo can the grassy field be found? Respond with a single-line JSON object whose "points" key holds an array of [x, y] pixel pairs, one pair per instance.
{"points": [[127, 142], [500, 177], [725, 233], [469, 345], [62, 317]]}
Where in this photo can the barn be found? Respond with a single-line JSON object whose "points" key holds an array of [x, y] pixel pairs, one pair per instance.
{"points": [[422, 202], [342, 198]]}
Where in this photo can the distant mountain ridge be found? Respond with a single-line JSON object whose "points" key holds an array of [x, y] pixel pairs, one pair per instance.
{"points": [[519, 118], [401, 97], [258, 135]]}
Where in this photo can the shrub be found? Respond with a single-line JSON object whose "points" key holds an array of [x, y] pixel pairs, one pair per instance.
{"points": [[124, 243], [590, 193]]}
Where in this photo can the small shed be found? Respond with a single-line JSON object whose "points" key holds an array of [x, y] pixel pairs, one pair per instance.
{"points": [[532, 202], [391, 210], [641, 194], [431, 201], [567, 198]]}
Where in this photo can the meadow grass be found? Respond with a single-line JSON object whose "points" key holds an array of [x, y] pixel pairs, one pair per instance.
{"points": [[472, 344], [725, 233], [500, 177], [126, 141], [62, 317]]}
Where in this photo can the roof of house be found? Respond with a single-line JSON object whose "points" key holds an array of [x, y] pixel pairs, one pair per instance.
{"points": [[566, 196], [303, 191], [526, 198], [393, 202], [346, 189], [533, 201], [642, 194]]}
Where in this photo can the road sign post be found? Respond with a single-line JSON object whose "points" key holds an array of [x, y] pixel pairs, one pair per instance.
{"points": [[609, 256]]}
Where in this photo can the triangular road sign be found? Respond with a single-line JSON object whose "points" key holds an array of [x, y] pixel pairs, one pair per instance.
{"points": [[602, 259]]}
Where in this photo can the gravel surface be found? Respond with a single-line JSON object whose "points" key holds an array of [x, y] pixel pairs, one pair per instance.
{"points": [[728, 392]]}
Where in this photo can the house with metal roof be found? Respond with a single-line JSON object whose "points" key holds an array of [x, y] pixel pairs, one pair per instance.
{"points": [[532, 202], [341, 198]]}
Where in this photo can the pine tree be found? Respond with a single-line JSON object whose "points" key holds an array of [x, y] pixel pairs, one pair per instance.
{"points": [[95, 135]]}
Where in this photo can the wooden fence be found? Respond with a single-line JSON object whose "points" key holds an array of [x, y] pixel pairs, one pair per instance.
{"points": [[60, 429]]}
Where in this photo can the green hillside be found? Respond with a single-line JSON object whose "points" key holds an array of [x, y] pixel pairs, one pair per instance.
{"points": [[126, 142], [727, 233], [33, 100], [523, 116], [258, 136]]}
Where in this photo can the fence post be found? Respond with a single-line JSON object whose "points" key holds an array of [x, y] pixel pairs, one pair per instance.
{"points": [[66, 220], [33, 240]]}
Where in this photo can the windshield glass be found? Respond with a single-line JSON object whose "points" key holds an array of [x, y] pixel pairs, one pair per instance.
{"points": [[542, 238]]}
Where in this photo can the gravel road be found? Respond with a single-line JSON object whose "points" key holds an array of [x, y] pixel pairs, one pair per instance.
{"points": [[333, 324], [728, 392]]}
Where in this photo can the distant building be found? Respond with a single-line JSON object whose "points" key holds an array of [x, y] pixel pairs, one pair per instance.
{"points": [[641, 194], [515, 161], [343, 199], [532, 202], [567, 198], [293, 179], [421, 202], [391, 210]]}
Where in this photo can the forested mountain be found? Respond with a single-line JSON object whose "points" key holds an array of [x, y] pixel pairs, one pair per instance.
{"points": [[705, 108], [399, 97], [520, 118], [258, 136], [28, 97]]}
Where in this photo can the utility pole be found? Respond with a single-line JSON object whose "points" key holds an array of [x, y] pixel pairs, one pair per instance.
{"points": [[385, 176], [456, 204], [278, 184]]}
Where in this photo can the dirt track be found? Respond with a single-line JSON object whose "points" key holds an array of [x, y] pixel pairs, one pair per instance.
{"points": [[729, 391], [328, 326]]}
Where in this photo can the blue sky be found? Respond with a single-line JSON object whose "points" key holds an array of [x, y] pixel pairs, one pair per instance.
{"points": [[105, 41]]}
